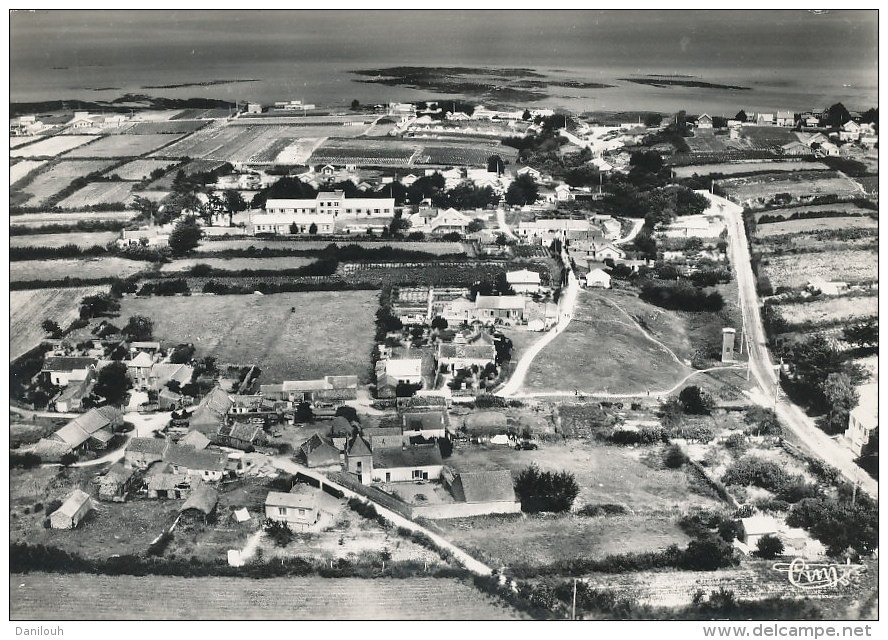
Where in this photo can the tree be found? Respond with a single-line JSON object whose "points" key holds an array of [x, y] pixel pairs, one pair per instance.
{"points": [[445, 446], [768, 547], [526, 115], [649, 161], [695, 401], [708, 553], [869, 454], [546, 490], [185, 236], [98, 305], [475, 225], [279, 532], [113, 383], [495, 165], [741, 116], [522, 191], [862, 334], [52, 328], [653, 119], [234, 202], [399, 225], [139, 328], [674, 457], [313, 229], [355, 105], [439, 323], [303, 413], [762, 422], [841, 397], [347, 412], [68, 459], [148, 209], [837, 115]]}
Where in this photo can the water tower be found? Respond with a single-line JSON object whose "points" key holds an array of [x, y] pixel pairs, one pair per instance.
{"points": [[728, 335]]}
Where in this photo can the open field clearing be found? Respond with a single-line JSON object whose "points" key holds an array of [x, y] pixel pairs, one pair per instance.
{"points": [[43, 219], [583, 356], [730, 168], [123, 146], [436, 248], [18, 141], [98, 193], [28, 309], [141, 169], [327, 333], [768, 136], [26, 270], [298, 151], [808, 225], [19, 170], [83, 240], [366, 151], [797, 270], [830, 310], [166, 126], [195, 166], [706, 143], [50, 147], [848, 208], [763, 188], [472, 154], [237, 264], [38, 596], [57, 177], [295, 128]]}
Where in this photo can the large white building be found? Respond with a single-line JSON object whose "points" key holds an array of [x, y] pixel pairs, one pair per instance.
{"points": [[284, 216]]}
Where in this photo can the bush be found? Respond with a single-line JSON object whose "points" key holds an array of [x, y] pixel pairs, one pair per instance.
{"points": [[279, 532], [645, 435], [708, 554], [769, 547], [680, 296], [674, 457], [695, 401], [68, 459], [27, 460], [595, 510], [546, 490]]}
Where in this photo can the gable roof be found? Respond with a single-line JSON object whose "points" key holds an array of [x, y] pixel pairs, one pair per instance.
{"points": [[522, 276], [166, 481], [117, 474], [314, 443], [148, 445], [195, 439], [301, 496], [81, 428], [359, 447], [65, 363], [240, 431], [426, 421], [203, 498], [494, 485], [141, 360], [469, 351], [73, 503], [192, 459], [341, 426], [499, 302], [427, 455]]}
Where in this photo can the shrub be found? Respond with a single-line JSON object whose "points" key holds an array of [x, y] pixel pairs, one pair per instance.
{"points": [[546, 490], [769, 547], [52, 506], [279, 532], [695, 401], [595, 510], [645, 435], [762, 422], [674, 457], [27, 460], [68, 459], [680, 296], [736, 442], [367, 510], [708, 554]]}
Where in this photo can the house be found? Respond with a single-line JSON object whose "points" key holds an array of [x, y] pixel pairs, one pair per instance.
{"points": [[563, 193], [850, 131], [604, 252], [524, 281], [71, 397], [138, 369], [116, 483], [829, 149], [162, 373], [394, 371], [408, 464], [161, 483], [243, 436], [448, 221], [209, 466], [864, 418], [459, 354], [254, 107], [544, 230], [211, 412], [200, 507], [384, 437], [195, 440], [62, 370], [335, 389], [359, 459], [757, 526], [93, 430], [704, 121], [598, 279], [530, 171], [318, 215], [72, 511], [458, 311], [785, 119], [795, 148], [318, 451], [475, 487], [506, 309], [299, 509], [764, 119], [142, 452], [428, 424]]}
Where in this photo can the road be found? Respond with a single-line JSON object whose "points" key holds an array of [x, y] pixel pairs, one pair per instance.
{"points": [[629, 237], [501, 221], [763, 370]]}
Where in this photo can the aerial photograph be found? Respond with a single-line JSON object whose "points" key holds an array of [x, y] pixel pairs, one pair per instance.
{"points": [[444, 315]]}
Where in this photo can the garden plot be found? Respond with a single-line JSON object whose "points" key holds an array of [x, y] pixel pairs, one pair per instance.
{"points": [[82, 240], [98, 193], [795, 271], [68, 217], [435, 248], [730, 168], [767, 137], [195, 166], [19, 170], [238, 264], [180, 127], [138, 170], [463, 155], [50, 147], [845, 208], [123, 146], [832, 310], [298, 151], [366, 151], [808, 225], [85, 268], [706, 144], [802, 184], [57, 177], [29, 308], [18, 141]]}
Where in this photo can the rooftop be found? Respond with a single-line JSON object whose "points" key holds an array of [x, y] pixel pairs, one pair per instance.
{"points": [[417, 456]]}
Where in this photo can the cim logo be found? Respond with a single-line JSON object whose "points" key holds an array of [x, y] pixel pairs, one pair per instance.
{"points": [[810, 577]]}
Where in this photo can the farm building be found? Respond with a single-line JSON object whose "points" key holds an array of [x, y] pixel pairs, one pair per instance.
{"points": [[384, 437], [71, 397], [207, 465], [334, 389], [142, 452], [430, 424], [458, 310], [93, 430], [115, 484], [359, 459], [211, 412], [318, 451], [195, 439], [72, 511], [598, 278], [239, 436], [493, 487], [507, 309], [161, 483], [391, 372], [60, 371], [200, 507], [419, 462], [524, 281], [299, 509]]}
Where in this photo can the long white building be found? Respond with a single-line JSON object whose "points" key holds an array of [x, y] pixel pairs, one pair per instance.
{"points": [[284, 216]]}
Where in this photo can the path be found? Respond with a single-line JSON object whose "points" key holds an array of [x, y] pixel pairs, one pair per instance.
{"points": [[761, 367], [470, 563], [645, 333], [501, 221], [629, 237]]}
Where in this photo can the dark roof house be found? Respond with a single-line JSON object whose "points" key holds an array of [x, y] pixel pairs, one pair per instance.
{"points": [[483, 486]]}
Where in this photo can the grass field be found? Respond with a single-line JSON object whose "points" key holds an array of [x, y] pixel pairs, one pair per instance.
{"points": [[43, 219], [797, 270], [583, 356], [28, 309], [18, 141], [19, 170], [730, 168], [123, 146], [38, 596], [768, 136], [830, 310], [86, 239], [237, 264], [706, 143], [50, 147], [141, 169], [814, 224], [763, 188], [166, 126], [98, 193], [25, 270], [329, 333], [59, 176], [849, 207]]}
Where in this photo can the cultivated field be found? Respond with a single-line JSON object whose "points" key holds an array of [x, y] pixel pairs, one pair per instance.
{"points": [[298, 151], [18, 141], [141, 169], [19, 170], [39, 596], [27, 270], [43, 219], [195, 166], [768, 136], [237, 264], [50, 147], [730, 168], [796, 271], [98, 193], [803, 184], [436, 248], [706, 143], [366, 151], [327, 333], [583, 356], [830, 310], [166, 126], [807, 225], [83, 240], [123, 146], [28, 309], [59, 176], [849, 208]]}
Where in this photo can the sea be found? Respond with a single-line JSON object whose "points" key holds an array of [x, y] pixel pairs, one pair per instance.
{"points": [[791, 60]]}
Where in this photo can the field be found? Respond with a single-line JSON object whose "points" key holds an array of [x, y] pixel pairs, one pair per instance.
{"points": [[706, 144], [768, 136], [98, 193], [50, 147], [830, 310], [123, 146], [141, 169], [436, 248], [807, 225], [373, 152], [297, 151], [583, 356], [794, 271], [762, 189], [237, 264], [18, 141], [328, 333], [43, 219], [82, 240], [464, 155], [848, 207], [195, 166], [79, 596], [19, 170], [50, 182], [28, 309], [26, 270], [730, 168], [166, 126]]}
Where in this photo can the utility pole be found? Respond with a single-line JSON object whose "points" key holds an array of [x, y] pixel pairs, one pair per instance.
{"points": [[853, 498], [574, 606]]}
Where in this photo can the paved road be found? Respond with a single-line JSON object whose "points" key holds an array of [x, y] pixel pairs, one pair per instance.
{"points": [[762, 368]]}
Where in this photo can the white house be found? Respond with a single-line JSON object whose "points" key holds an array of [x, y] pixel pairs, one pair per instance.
{"points": [[419, 462], [506, 309], [829, 149], [785, 119], [448, 221], [850, 131], [598, 279], [299, 509], [63, 370], [864, 418], [284, 216], [394, 371], [704, 121], [524, 281], [428, 424], [764, 119], [72, 511]]}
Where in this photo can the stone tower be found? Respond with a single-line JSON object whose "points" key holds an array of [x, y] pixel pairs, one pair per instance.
{"points": [[728, 335]]}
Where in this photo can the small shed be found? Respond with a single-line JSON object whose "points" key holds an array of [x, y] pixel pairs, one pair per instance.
{"points": [[318, 451], [115, 484], [200, 505], [72, 511]]}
